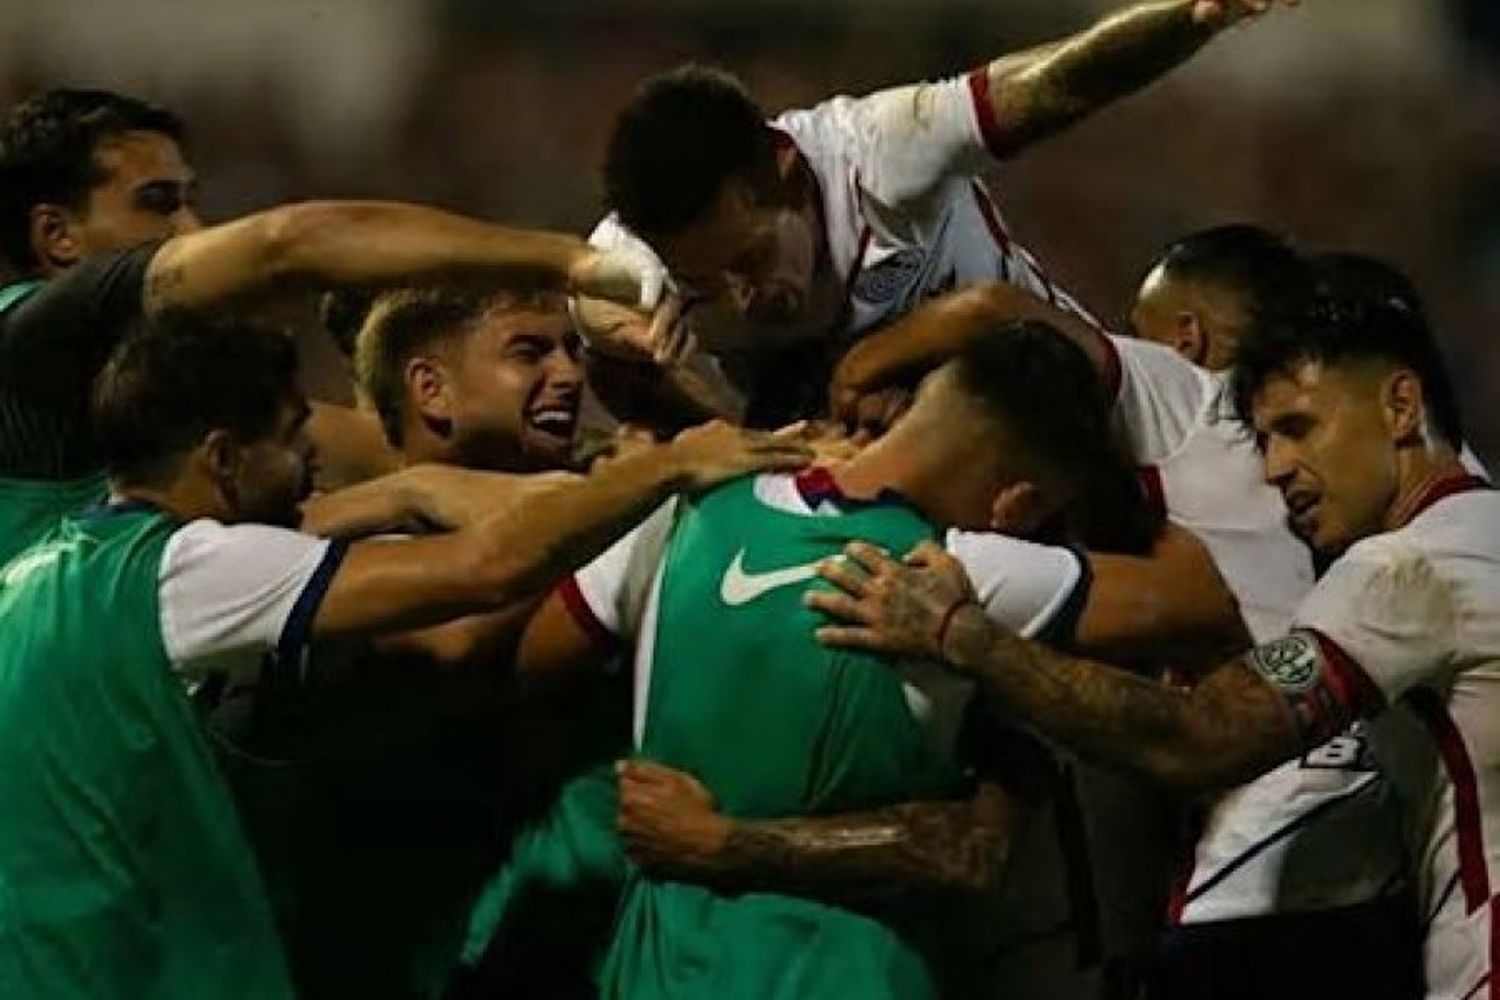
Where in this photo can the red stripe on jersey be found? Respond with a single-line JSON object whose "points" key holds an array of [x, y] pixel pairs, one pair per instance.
{"points": [[1346, 680], [1473, 871], [578, 606], [1440, 488], [1156, 492], [984, 111]]}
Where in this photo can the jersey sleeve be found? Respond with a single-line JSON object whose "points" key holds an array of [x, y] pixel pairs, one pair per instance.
{"points": [[904, 142], [607, 597], [1159, 396], [229, 592], [1384, 617], [1031, 589], [84, 310]]}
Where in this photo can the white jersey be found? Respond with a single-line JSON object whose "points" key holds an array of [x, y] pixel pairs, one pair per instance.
{"points": [[1284, 841], [905, 216], [1022, 585], [1413, 616]]}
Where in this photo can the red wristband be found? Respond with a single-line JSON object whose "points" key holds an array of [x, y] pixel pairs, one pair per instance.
{"points": [[942, 632]]}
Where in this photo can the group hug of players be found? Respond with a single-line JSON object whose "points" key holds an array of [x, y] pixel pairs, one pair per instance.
{"points": [[511, 706]]}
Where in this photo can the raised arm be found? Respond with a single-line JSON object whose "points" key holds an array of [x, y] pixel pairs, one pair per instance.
{"points": [[1032, 94], [322, 243], [1242, 719], [509, 558], [929, 336]]}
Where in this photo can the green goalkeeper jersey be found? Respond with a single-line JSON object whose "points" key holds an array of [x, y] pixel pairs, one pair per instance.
{"points": [[124, 870], [742, 696]]}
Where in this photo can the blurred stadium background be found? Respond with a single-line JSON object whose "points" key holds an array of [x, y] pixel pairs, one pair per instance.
{"points": [[1369, 124]]}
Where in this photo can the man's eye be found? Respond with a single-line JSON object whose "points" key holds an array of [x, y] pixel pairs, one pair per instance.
{"points": [[159, 200]]}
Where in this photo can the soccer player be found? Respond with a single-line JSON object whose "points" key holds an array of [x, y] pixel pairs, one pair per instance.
{"points": [[1355, 416], [1279, 845], [97, 228], [790, 238], [728, 691], [125, 869], [1209, 287]]}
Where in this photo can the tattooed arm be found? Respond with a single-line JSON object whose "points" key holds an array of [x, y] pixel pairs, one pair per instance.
{"points": [[377, 244], [1035, 93], [670, 826], [1242, 719]]}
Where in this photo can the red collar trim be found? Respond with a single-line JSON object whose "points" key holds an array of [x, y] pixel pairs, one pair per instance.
{"points": [[1440, 488], [817, 486]]}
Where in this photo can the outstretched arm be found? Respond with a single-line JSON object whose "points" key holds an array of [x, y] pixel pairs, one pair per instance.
{"points": [[509, 557], [929, 336], [670, 826], [1246, 716], [376, 244], [1033, 94]]}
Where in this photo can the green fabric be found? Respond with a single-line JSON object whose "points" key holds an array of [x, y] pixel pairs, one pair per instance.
{"points": [[123, 868], [29, 508], [16, 292], [541, 924], [774, 725]]}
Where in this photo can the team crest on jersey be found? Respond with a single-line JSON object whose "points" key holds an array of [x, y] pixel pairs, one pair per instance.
{"points": [[888, 279], [1290, 663]]}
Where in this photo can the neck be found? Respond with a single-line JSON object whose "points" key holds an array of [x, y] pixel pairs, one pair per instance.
{"points": [[923, 472], [1418, 471], [184, 499]]}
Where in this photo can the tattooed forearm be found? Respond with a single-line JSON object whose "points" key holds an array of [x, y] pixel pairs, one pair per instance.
{"points": [[1056, 85], [1227, 729], [163, 281], [955, 846]]}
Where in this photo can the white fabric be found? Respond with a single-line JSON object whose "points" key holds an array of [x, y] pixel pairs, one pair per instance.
{"points": [[899, 163], [1259, 852], [1420, 607], [226, 592], [1021, 584]]}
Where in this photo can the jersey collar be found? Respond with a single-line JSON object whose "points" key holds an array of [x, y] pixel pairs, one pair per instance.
{"points": [[1445, 484], [817, 486]]}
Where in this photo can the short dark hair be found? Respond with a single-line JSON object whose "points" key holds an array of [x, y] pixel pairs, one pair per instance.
{"points": [[1340, 325], [681, 136], [174, 380], [343, 312], [1251, 261], [1043, 387], [1351, 274], [47, 146]]}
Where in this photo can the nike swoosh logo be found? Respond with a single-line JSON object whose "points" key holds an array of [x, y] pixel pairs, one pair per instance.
{"points": [[739, 587]]}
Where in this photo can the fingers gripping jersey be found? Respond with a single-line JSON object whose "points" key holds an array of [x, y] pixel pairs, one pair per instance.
{"points": [[1415, 614], [736, 690]]}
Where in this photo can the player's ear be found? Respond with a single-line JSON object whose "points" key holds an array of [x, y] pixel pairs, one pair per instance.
{"points": [[54, 236], [1402, 406], [1020, 510], [429, 390], [222, 458], [1189, 338]]}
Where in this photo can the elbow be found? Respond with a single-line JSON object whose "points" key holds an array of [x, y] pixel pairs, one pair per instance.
{"points": [[288, 233]]}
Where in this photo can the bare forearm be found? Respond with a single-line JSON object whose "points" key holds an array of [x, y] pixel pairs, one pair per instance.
{"points": [[353, 243], [941, 329], [1051, 87], [914, 847], [557, 531], [1223, 732]]}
